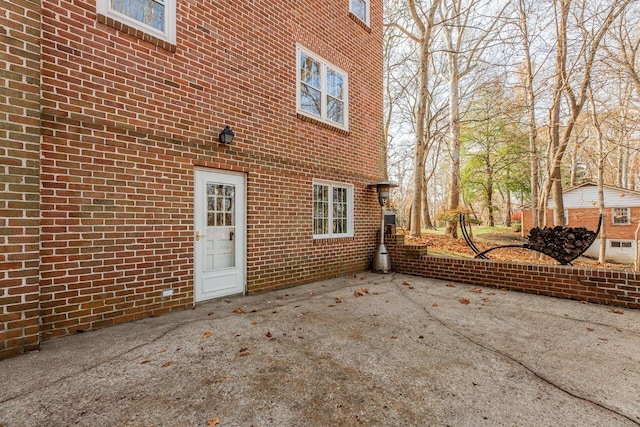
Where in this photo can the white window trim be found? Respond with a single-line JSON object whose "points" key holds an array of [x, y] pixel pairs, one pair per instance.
{"points": [[103, 7], [367, 12], [613, 217], [323, 77], [350, 210]]}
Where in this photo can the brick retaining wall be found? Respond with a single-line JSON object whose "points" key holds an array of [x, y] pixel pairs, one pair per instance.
{"points": [[603, 286]]}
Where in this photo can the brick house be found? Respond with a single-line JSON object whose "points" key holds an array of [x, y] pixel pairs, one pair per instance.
{"points": [[118, 199], [621, 217]]}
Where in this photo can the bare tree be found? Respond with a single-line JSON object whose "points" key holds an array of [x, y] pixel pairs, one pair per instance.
{"points": [[424, 24], [465, 40], [572, 76], [595, 122], [531, 111]]}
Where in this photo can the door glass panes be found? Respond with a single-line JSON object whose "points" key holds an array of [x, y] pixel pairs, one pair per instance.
{"points": [[220, 235], [320, 209], [310, 95], [149, 12], [220, 205]]}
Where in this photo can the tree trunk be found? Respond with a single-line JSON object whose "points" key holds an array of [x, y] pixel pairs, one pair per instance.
{"points": [[451, 229], [420, 114], [508, 208], [491, 219]]}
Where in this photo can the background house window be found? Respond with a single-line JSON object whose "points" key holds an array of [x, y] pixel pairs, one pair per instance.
{"points": [[332, 210], [620, 244], [322, 90], [360, 8], [620, 216], [154, 17]]}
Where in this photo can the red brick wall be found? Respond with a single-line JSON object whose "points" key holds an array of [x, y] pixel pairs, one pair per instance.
{"points": [[19, 170], [126, 121], [602, 286]]}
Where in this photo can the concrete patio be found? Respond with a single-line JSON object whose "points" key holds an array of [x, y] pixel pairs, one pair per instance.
{"points": [[374, 350]]}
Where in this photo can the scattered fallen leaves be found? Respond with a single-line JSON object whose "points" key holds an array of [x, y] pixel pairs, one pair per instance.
{"points": [[445, 245], [207, 334], [584, 302], [476, 290], [243, 349], [254, 323], [213, 422], [486, 299], [169, 363], [421, 337], [244, 354], [451, 285], [238, 310], [144, 362], [338, 300], [218, 380], [464, 301], [407, 284], [300, 337], [590, 329], [616, 311], [269, 335], [394, 337], [435, 304], [360, 292], [210, 313], [603, 339], [312, 293]]}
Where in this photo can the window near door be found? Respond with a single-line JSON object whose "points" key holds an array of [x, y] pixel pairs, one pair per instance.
{"points": [[620, 216], [332, 210], [154, 17], [322, 90], [360, 8]]}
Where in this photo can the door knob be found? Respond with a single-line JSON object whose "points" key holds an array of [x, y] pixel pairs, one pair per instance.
{"points": [[198, 236]]}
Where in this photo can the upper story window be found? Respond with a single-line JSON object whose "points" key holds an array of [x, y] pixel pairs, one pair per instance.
{"points": [[360, 8], [332, 209], [322, 90], [620, 216], [154, 17]]}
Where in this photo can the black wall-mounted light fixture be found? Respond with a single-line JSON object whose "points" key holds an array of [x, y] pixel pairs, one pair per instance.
{"points": [[226, 136]]}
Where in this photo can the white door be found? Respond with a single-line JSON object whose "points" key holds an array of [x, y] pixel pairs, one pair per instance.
{"points": [[220, 228]]}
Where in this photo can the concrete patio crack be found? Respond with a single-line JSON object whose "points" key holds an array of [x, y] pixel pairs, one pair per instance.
{"points": [[536, 374], [94, 366]]}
